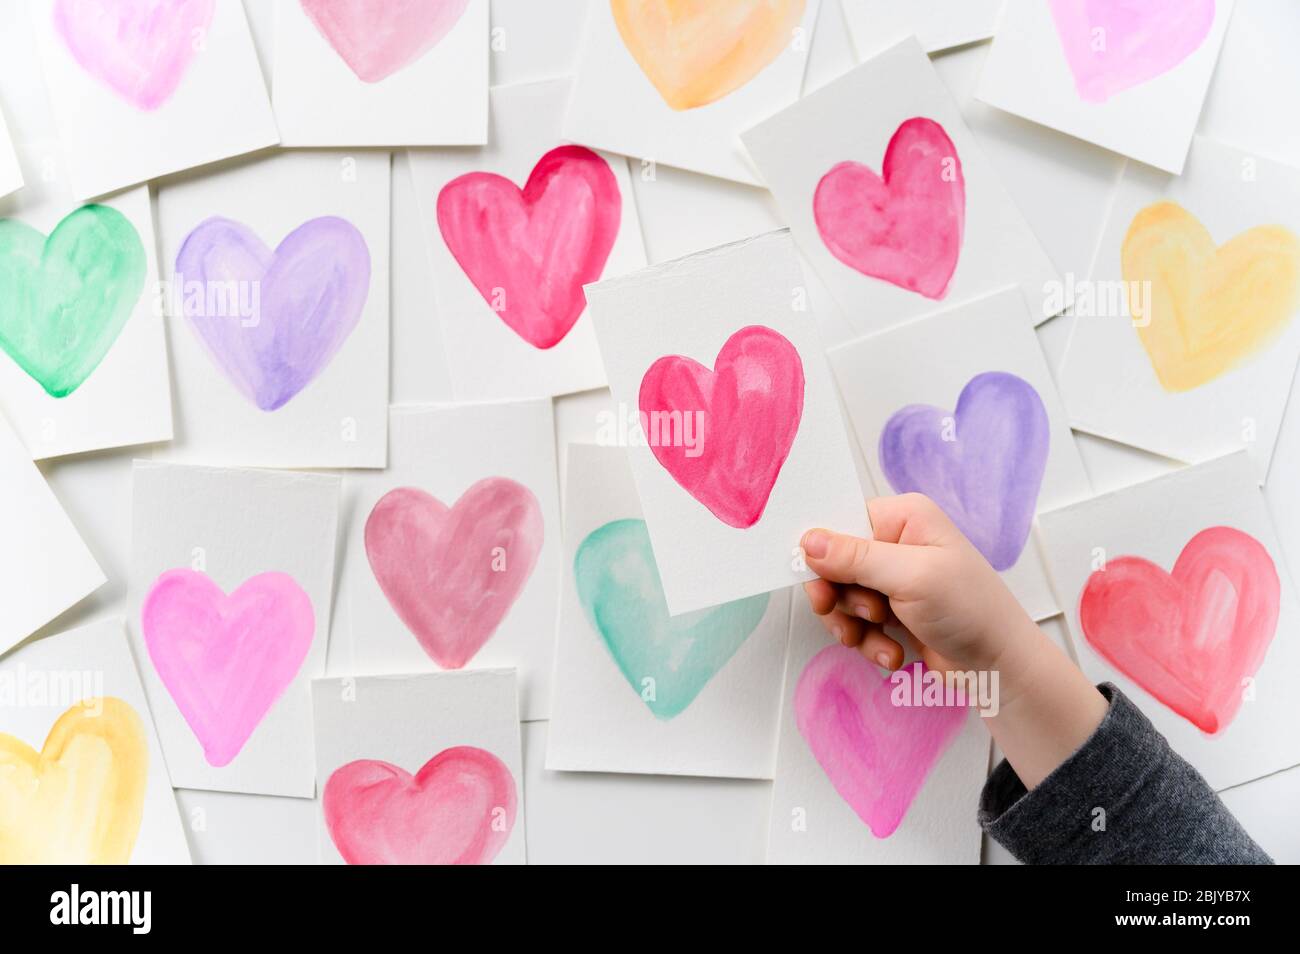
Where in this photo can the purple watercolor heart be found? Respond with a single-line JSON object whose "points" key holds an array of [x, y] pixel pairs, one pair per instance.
{"points": [[983, 464], [273, 320]]}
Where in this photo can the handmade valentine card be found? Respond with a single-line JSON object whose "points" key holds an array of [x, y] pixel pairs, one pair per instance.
{"points": [[866, 772], [738, 446], [899, 211], [83, 359], [514, 230], [638, 690], [876, 25], [229, 621], [141, 88], [1176, 591], [677, 84], [360, 72], [11, 173], [277, 297], [452, 556], [420, 769], [961, 406], [1129, 77], [1186, 339]]}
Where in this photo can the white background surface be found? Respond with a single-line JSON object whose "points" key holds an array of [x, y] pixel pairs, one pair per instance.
{"points": [[1061, 186]]}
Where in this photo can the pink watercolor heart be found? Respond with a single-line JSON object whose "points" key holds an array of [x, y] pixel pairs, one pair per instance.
{"points": [[875, 753], [529, 251], [743, 416], [139, 48], [1114, 45], [376, 38], [225, 660], [905, 225], [457, 810], [452, 574]]}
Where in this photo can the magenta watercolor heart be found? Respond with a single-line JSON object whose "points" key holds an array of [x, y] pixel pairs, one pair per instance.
{"points": [[376, 38], [983, 463], [139, 48], [905, 225], [459, 809], [724, 433], [303, 301], [1114, 45], [530, 251], [876, 754], [452, 573], [225, 660]]}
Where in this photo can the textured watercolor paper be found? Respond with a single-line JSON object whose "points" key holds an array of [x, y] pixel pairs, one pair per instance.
{"points": [[45, 566], [635, 689], [420, 769], [514, 230], [72, 707], [141, 89], [1176, 591], [899, 209], [1189, 345], [982, 431], [1128, 77], [875, 25], [11, 173], [452, 553], [232, 576], [84, 362], [277, 294], [376, 73], [740, 446], [677, 89]]}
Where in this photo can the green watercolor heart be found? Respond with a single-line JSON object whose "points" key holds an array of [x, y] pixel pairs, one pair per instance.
{"points": [[618, 584], [64, 299]]}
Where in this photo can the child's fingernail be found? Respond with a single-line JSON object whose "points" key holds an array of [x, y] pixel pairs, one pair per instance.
{"points": [[882, 659], [838, 632], [816, 543], [862, 612]]}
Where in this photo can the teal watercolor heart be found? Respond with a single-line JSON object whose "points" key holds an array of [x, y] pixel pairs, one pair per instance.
{"points": [[64, 299], [618, 584]]}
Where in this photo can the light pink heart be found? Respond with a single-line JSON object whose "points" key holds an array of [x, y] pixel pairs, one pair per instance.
{"points": [[139, 48], [875, 753], [452, 574], [376, 38], [225, 660], [1114, 45], [459, 809]]}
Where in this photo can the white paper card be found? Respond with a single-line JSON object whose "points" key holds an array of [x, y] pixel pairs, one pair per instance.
{"points": [[420, 769], [11, 173], [717, 357], [898, 209], [875, 25], [232, 573]]}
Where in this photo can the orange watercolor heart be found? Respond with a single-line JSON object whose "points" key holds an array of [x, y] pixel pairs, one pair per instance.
{"points": [[695, 52], [1210, 308], [80, 799]]}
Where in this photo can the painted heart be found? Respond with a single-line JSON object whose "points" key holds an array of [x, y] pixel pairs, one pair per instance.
{"points": [[452, 573], [140, 49], [695, 52], [905, 225], [225, 660], [272, 321], [1114, 45], [457, 810], [1192, 637], [64, 299], [724, 434], [530, 251], [1210, 308], [618, 584], [875, 753], [80, 800], [376, 38], [983, 464]]}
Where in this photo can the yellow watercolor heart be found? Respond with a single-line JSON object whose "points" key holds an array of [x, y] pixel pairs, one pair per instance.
{"points": [[81, 798], [697, 51], [1210, 308]]}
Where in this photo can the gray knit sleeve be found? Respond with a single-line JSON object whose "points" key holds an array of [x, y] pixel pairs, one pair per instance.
{"points": [[1123, 798]]}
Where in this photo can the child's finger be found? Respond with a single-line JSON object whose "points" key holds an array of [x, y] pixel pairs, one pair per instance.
{"points": [[863, 603], [880, 649], [822, 595], [891, 568], [846, 630]]}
